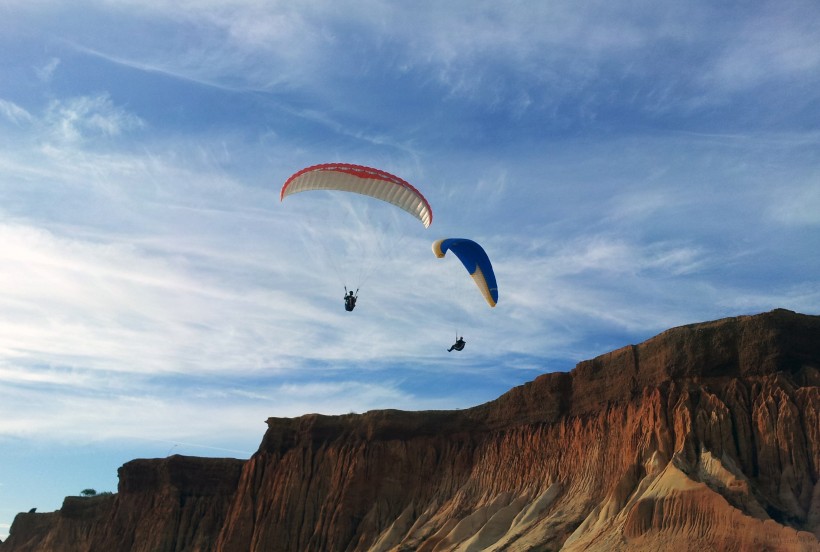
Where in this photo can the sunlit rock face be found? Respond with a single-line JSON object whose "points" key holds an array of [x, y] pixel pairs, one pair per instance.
{"points": [[706, 437]]}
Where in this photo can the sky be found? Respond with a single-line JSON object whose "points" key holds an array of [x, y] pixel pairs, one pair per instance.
{"points": [[628, 167]]}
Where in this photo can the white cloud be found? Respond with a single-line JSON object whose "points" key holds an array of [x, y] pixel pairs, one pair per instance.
{"points": [[89, 116], [617, 257], [14, 113], [799, 205], [516, 60], [116, 306], [768, 45], [46, 72], [53, 403]]}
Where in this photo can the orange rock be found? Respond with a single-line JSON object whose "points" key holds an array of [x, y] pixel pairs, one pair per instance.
{"points": [[705, 437]]}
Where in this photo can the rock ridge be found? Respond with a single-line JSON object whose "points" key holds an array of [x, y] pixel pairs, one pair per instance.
{"points": [[706, 436]]}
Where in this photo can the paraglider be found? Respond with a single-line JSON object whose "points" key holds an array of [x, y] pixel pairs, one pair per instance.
{"points": [[475, 260], [359, 257], [361, 180], [458, 345], [350, 300], [478, 265]]}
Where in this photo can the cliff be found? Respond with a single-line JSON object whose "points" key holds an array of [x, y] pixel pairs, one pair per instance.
{"points": [[706, 436], [174, 503]]}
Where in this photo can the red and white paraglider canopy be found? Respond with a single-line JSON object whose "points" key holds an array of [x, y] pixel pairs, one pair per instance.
{"points": [[361, 180]]}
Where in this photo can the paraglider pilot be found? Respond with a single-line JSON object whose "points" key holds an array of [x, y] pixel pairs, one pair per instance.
{"points": [[458, 345], [350, 300]]}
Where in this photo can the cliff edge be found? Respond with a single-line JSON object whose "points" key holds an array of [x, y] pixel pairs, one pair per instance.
{"points": [[706, 436]]}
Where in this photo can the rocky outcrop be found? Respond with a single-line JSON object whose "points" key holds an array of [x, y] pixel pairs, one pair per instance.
{"points": [[704, 437], [175, 503]]}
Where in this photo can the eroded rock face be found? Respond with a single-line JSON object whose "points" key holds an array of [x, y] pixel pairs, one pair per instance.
{"points": [[175, 503], [704, 437]]}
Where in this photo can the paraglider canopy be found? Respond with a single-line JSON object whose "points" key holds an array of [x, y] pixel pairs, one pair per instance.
{"points": [[361, 180], [475, 260]]}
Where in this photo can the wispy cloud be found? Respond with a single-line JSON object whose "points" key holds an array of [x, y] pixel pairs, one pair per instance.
{"points": [[769, 45], [83, 117], [14, 113], [74, 405], [799, 207], [46, 72]]}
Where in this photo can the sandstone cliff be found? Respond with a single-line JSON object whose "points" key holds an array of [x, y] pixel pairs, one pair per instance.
{"points": [[704, 437], [175, 503]]}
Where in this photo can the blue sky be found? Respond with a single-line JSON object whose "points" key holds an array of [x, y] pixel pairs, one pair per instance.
{"points": [[628, 167]]}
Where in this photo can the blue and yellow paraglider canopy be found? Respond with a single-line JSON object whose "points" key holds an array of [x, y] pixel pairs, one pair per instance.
{"points": [[475, 260]]}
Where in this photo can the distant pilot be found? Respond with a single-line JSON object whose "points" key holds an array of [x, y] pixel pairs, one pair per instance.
{"points": [[350, 301], [458, 345]]}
